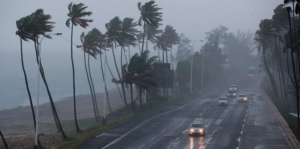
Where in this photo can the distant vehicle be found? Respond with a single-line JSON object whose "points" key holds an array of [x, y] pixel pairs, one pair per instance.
{"points": [[251, 72], [223, 101], [242, 98], [232, 94], [196, 128], [233, 88]]}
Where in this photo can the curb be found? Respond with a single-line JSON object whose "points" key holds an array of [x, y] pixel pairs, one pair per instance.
{"points": [[289, 135]]}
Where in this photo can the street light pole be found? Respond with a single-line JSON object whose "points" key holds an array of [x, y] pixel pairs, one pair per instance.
{"points": [[202, 68], [38, 90], [191, 80], [104, 93]]}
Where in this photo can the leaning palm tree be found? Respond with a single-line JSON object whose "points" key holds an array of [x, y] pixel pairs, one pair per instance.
{"points": [[23, 24], [113, 33], [265, 36], [90, 46], [149, 15], [280, 23], [40, 26], [76, 14], [132, 74]]}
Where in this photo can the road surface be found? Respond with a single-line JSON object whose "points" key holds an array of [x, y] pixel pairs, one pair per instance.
{"points": [[250, 125]]}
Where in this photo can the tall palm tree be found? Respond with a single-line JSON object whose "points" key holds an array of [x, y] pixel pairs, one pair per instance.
{"points": [[23, 24], [280, 23], [76, 14], [114, 29], [149, 15], [133, 74], [90, 46], [265, 36], [128, 35]]}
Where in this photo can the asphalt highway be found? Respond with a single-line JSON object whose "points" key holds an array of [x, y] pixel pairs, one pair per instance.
{"points": [[250, 125]]}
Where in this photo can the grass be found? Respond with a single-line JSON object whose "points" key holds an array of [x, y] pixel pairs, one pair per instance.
{"points": [[91, 128]]}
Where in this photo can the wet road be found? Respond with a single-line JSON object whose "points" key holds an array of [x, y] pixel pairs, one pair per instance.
{"points": [[250, 125]]}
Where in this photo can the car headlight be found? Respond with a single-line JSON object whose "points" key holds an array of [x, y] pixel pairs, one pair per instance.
{"points": [[192, 130], [233, 93], [228, 94], [245, 98], [201, 130]]}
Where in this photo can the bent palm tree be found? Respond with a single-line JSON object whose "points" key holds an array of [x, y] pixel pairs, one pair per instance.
{"points": [[134, 73], [149, 15], [3, 140], [265, 38], [90, 46], [40, 26], [76, 14]]}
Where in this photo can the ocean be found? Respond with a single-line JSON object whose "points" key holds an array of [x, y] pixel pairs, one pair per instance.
{"points": [[58, 71]]}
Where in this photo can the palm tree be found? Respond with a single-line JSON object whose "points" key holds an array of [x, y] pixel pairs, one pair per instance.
{"points": [[128, 35], [3, 140], [280, 23], [76, 14], [40, 25], [149, 15], [23, 24], [134, 73], [265, 36], [148, 67], [90, 46], [114, 34]]}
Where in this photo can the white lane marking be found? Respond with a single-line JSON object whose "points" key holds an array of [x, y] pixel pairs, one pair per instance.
{"points": [[100, 135], [153, 138], [142, 146], [162, 131], [136, 127], [184, 131], [176, 139]]}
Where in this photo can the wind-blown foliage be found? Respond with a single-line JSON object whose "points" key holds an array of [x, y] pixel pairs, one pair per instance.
{"points": [[76, 14]]}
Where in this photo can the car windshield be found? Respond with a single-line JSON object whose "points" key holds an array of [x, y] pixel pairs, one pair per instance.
{"points": [[197, 125]]}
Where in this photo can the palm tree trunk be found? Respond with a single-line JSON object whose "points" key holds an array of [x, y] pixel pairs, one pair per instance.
{"points": [[93, 88], [74, 90], [125, 57], [92, 95], [278, 67], [164, 73], [27, 86], [143, 38], [141, 103], [122, 84], [55, 115], [3, 140], [108, 101], [268, 71], [132, 103], [295, 77], [129, 53], [288, 68], [158, 54], [168, 81]]}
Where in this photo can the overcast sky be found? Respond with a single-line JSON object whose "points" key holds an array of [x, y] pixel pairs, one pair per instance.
{"points": [[191, 17]]}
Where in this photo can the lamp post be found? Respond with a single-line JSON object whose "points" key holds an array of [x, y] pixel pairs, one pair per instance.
{"points": [[202, 68], [191, 80], [38, 90], [104, 94]]}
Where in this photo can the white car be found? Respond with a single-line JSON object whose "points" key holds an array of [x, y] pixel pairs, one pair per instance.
{"points": [[233, 88], [223, 101], [196, 128], [242, 98]]}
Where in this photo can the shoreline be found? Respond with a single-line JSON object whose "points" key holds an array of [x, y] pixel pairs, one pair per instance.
{"points": [[19, 122]]}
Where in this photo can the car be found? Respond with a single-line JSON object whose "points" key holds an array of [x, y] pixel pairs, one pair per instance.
{"points": [[242, 98], [231, 94], [196, 128], [233, 88], [251, 72], [223, 101]]}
